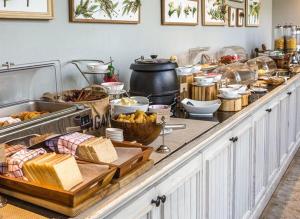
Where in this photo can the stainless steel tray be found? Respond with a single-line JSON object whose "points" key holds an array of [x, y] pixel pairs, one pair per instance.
{"points": [[55, 110]]}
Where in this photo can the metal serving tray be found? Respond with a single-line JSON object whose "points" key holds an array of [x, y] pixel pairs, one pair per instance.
{"points": [[55, 110]]}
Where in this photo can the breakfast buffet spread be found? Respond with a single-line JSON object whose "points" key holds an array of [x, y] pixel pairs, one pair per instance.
{"points": [[106, 139]]}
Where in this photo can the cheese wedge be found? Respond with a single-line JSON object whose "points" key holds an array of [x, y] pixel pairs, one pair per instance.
{"points": [[97, 150], [68, 173]]}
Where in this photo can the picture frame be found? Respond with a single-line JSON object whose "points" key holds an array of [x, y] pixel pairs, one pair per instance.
{"points": [[30, 9], [240, 15], [188, 14], [212, 12], [252, 15], [232, 16], [117, 12], [239, 1]]}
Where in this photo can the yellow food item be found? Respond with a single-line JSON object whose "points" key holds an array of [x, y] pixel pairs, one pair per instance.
{"points": [[261, 72], [128, 101], [28, 115], [279, 43], [53, 170], [97, 150], [137, 117]]}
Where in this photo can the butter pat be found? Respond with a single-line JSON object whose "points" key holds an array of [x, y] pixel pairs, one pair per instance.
{"points": [[97, 150]]}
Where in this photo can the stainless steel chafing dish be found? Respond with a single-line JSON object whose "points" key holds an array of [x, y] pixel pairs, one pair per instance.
{"points": [[20, 96]]}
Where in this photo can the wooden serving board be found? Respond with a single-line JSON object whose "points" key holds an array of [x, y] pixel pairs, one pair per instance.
{"points": [[95, 176], [92, 200]]}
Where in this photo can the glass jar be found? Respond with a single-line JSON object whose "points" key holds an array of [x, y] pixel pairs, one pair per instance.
{"points": [[298, 38], [290, 34], [279, 38]]}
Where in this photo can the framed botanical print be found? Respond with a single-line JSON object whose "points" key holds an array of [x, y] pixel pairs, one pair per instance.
{"points": [[105, 11], [180, 12], [240, 17], [26, 9], [231, 17], [252, 13], [213, 12]]}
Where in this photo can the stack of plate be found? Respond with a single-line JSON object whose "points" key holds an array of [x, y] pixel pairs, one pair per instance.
{"points": [[115, 134]]}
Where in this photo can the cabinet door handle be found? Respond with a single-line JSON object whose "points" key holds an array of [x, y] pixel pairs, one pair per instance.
{"points": [[289, 93], [162, 198], [156, 202], [236, 139], [232, 139], [269, 110]]}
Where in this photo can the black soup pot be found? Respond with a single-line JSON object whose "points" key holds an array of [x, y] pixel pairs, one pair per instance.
{"points": [[155, 78]]}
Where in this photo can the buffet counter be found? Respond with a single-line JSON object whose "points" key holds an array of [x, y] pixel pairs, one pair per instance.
{"points": [[233, 166]]}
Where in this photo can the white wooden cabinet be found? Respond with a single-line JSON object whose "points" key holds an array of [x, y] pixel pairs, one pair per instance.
{"points": [[242, 170], [284, 127], [217, 184], [140, 208], [292, 110], [273, 157], [183, 192], [260, 123], [298, 111]]}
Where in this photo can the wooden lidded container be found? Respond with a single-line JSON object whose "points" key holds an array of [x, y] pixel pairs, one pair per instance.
{"points": [[204, 93], [245, 99], [231, 105]]}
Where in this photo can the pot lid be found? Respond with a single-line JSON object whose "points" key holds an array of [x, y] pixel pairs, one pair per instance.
{"points": [[153, 64]]}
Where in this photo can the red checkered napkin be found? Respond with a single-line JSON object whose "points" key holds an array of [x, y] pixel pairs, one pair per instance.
{"points": [[67, 144], [14, 163]]}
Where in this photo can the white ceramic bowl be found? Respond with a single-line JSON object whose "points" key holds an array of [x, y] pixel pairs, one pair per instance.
{"points": [[118, 108], [203, 80], [240, 88], [113, 87], [183, 71], [201, 107], [97, 67], [159, 108], [229, 92]]}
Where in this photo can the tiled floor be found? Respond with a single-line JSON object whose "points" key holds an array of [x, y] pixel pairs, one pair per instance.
{"points": [[285, 202]]}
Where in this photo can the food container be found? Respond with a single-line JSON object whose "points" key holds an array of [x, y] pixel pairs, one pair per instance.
{"points": [[290, 38], [204, 80], [237, 73], [113, 87], [201, 107], [30, 82], [144, 133], [232, 54], [139, 103], [279, 38], [94, 97], [156, 78], [263, 66]]}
